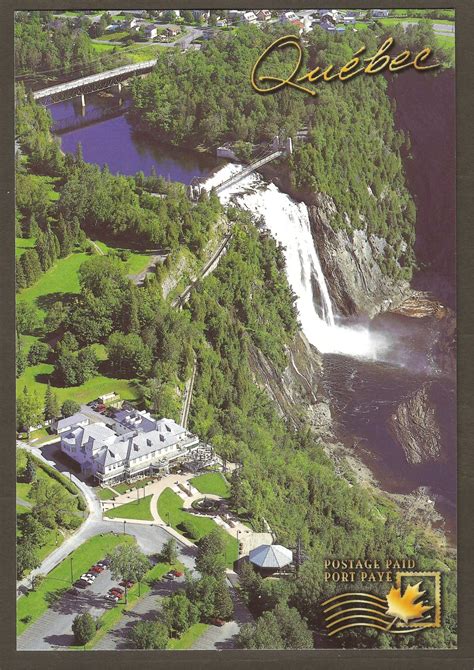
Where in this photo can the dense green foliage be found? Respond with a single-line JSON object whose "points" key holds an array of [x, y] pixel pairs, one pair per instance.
{"points": [[148, 635], [55, 508], [83, 627]]}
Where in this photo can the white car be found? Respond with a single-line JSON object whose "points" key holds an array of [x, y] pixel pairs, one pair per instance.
{"points": [[88, 578]]}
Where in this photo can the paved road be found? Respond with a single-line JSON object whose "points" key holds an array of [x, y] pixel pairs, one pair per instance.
{"points": [[23, 503], [53, 629]]}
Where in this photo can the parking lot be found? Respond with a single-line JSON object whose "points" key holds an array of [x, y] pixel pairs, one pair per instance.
{"points": [[53, 629]]}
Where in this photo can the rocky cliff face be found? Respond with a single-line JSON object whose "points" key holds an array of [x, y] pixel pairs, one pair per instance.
{"points": [[416, 428], [350, 264], [297, 392]]}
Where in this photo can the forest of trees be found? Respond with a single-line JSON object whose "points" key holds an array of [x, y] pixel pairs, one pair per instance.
{"points": [[285, 477]]}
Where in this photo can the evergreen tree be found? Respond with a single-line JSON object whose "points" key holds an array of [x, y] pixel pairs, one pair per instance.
{"points": [[30, 470], [84, 628], [31, 266], [19, 274], [51, 405]]}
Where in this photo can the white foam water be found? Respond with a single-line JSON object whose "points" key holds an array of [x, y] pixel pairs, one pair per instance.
{"points": [[288, 222]]}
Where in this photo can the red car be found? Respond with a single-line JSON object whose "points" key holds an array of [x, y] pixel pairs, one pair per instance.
{"points": [[217, 622], [100, 409], [177, 573], [127, 582], [116, 590], [96, 569]]}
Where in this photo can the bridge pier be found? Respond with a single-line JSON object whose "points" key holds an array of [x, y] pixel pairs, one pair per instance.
{"points": [[83, 101]]}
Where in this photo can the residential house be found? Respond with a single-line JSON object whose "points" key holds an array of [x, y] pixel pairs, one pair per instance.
{"points": [[172, 31], [287, 17], [150, 32], [264, 15], [201, 15], [249, 17], [348, 20], [380, 13]]}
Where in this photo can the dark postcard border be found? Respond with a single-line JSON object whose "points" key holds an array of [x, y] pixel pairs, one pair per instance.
{"points": [[461, 658]]}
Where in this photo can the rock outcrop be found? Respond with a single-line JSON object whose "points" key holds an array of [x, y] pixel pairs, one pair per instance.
{"points": [[349, 261], [297, 391], [415, 427]]}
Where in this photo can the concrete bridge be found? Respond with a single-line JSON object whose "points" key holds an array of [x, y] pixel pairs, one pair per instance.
{"points": [[92, 84]]}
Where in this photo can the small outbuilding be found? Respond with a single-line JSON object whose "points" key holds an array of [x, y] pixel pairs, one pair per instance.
{"points": [[269, 558]]}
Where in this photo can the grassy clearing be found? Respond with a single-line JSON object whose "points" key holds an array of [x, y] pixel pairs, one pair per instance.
{"points": [[170, 509], [114, 36], [59, 280], [126, 486], [100, 48], [105, 494], [189, 637], [36, 603], [22, 244], [36, 379], [133, 510], [212, 483]]}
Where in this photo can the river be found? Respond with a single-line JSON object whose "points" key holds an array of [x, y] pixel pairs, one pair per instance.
{"points": [[113, 141]]}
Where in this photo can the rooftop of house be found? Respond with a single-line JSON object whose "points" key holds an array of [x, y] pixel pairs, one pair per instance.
{"points": [[73, 420]]}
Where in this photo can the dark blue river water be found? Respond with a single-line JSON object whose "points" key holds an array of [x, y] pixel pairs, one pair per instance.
{"points": [[112, 141]]}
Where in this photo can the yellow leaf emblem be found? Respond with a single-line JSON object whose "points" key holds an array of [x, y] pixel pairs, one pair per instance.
{"points": [[405, 607]]}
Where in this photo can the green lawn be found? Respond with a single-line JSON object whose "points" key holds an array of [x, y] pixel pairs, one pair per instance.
{"points": [[132, 510], [35, 603], [212, 483], [105, 494], [189, 637], [22, 244], [114, 36], [126, 486], [171, 511], [36, 378], [100, 48], [62, 278]]}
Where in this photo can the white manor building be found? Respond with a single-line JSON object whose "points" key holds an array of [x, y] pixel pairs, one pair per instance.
{"points": [[134, 445]]}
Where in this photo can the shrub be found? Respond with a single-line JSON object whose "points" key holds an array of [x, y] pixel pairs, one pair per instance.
{"points": [[70, 407], [189, 529], [83, 628], [38, 353]]}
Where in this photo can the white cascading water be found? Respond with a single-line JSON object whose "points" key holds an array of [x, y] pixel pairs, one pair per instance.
{"points": [[289, 224]]}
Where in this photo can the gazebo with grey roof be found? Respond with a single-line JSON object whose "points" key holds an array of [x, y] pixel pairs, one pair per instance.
{"points": [[270, 557]]}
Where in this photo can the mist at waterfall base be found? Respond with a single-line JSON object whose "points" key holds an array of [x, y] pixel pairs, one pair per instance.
{"points": [[288, 222], [370, 365]]}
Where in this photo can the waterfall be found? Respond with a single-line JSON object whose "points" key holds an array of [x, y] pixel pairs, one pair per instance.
{"points": [[288, 222]]}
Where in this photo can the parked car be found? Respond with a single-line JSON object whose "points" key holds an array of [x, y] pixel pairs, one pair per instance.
{"points": [[169, 576], [96, 569], [81, 584], [217, 622], [116, 589], [73, 592], [88, 578], [127, 582], [177, 573], [100, 408], [105, 562], [113, 598]]}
